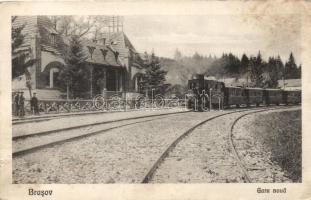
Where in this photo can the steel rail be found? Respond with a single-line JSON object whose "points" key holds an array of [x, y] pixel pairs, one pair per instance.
{"points": [[148, 177], [91, 124], [234, 150], [61, 141]]}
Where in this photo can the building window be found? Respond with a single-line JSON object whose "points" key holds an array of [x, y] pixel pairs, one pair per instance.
{"points": [[104, 52], [116, 54], [53, 38], [53, 78], [91, 50]]}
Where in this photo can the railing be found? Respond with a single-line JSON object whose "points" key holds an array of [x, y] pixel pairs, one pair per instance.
{"points": [[99, 103]]}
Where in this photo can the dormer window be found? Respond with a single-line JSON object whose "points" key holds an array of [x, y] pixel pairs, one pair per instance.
{"points": [[104, 52], [116, 54], [91, 50]]}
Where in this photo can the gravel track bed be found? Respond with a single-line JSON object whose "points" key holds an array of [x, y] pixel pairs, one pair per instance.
{"points": [[36, 140], [204, 156], [52, 124], [122, 155], [255, 155]]}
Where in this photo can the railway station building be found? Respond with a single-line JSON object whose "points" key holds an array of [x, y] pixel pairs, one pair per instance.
{"points": [[115, 67]]}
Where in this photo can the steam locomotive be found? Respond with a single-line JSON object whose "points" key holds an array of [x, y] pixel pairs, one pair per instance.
{"points": [[206, 94]]}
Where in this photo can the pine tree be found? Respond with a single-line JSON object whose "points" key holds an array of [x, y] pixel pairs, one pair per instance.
{"points": [[244, 64], [232, 65], [75, 75], [280, 67], [154, 76], [256, 70], [291, 69], [260, 64], [271, 73], [299, 72]]}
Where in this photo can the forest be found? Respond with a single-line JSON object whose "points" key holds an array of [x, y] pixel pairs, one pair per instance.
{"points": [[259, 72]]}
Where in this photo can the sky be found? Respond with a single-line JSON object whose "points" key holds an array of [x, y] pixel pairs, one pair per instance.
{"points": [[215, 34]]}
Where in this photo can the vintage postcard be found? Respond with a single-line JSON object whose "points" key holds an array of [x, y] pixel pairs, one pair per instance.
{"points": [[155, 100]]}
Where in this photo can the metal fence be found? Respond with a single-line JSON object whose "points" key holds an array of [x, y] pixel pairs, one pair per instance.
{"points": [[115, 103]]}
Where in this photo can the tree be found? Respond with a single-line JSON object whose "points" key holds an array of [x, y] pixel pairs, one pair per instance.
{"points": [[154, 76], [291, 69], [78, 26], [299, 71], [271, 73], [244, 64], [75, 75], [257, 66], [280, 67], [21, 59], [232, 65]]}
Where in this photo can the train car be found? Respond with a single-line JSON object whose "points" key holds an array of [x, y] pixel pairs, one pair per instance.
{"points": [[207, 94], [235, 96], [254, 96], [291, 96], [204, 91], [272, 96]]}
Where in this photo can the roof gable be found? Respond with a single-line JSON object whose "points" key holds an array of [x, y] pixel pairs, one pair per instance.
{"points": [[43, 27]]}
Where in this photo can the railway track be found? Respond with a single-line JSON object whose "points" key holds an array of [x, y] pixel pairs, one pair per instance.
{"points": [[234, 150], [18, 121], [46, 139], [152, 171], [23, 136], [240, 159]]}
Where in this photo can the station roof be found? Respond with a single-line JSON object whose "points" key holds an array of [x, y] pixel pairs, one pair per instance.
{"points": [[41, 27], [101, 54]]}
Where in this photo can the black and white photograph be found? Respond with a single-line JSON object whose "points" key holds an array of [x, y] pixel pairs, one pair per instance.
{"points": [[150, 99], [155, 100]]}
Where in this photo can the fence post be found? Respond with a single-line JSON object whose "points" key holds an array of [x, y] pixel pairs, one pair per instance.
{"points": [[210, 99], [218, 103], [125, 107]]}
